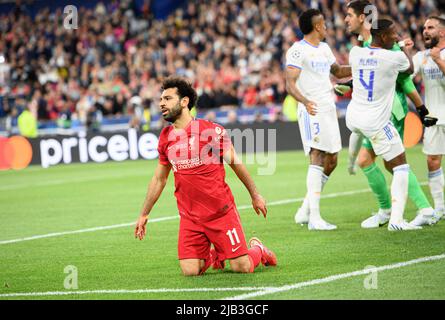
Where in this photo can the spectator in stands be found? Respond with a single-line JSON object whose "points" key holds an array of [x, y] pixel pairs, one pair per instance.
{"points": [[27, 123], [136, 111], [232, 117], [211, 116]]}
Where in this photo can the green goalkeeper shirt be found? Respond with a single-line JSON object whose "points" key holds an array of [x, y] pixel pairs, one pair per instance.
{"points": [[404, 86]]}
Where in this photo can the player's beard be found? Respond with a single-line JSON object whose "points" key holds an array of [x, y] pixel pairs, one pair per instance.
{"points": [[173, 114], [433, 42]]}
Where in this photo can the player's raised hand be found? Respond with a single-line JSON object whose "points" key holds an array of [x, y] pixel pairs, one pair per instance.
{"points": [[435, 53], [259, 204], [409, 43], [141, 230], [311, 108]]}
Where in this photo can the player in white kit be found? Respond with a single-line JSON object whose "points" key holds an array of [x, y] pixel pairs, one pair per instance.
{"points": [[309, 64], [430, 64], [374, 73]]}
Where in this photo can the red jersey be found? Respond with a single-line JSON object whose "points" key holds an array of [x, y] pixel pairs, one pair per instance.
{"points": [[196, 156]]}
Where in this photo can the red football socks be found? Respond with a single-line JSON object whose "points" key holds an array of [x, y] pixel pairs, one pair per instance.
{"points": [[208, 263], [254, 257]]}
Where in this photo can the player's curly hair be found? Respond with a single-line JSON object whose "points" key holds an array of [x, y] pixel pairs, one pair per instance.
{"points": [[184, 88]]}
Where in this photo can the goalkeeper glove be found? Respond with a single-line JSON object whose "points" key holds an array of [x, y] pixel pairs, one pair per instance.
{"points": [[423, 114], [341, 89]]}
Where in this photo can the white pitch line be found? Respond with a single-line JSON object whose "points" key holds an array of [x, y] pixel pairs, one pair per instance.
{"points": [[57, 234], [56, 182], [332, 278], [243, 207], [124, 291]]}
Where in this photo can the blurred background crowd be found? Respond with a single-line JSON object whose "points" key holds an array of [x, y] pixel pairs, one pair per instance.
{"points": [[113, 63]]}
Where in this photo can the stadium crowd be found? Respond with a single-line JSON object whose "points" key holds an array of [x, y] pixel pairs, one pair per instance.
{"points": [[115, 60]]}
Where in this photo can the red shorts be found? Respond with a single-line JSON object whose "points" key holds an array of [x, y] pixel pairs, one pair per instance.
{"points": [[225, 233]]}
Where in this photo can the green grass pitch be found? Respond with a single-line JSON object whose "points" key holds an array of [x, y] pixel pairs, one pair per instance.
{"points": [[111, 264]]}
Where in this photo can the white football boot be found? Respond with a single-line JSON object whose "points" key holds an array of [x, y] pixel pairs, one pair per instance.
{"points": [[320, 224], [402, 226], [425, 217], [377, 220], [302, 216]]}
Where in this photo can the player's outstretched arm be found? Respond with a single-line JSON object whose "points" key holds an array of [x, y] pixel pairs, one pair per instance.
{"points": [[292, 75], [155, 188], [340, 72], [258, 202]]}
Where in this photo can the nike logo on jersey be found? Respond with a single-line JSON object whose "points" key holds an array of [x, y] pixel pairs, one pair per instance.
{"points": [[235, 249]]}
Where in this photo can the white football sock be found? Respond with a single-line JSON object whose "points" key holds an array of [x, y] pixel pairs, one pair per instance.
{"points": [[314, 182], [324, 180], [436, 183], [399, 192], [305, 205], [384, 212]]}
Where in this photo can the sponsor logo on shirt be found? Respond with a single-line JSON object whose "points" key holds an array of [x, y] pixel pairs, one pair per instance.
{"points": [[185, 164], [433, 74], [321, 66]]}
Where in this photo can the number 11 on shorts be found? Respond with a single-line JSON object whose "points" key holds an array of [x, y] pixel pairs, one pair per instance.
{"points": [[233, 234]]}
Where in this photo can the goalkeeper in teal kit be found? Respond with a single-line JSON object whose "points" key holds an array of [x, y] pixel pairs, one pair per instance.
{"points": [[356, 21]]}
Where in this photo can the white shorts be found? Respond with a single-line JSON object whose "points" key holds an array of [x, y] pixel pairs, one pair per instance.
{"points": [[434, 141], [320, 132], [386, 142]]}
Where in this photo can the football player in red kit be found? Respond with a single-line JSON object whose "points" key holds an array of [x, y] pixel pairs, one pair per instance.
{"points": [[196, 150]]}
